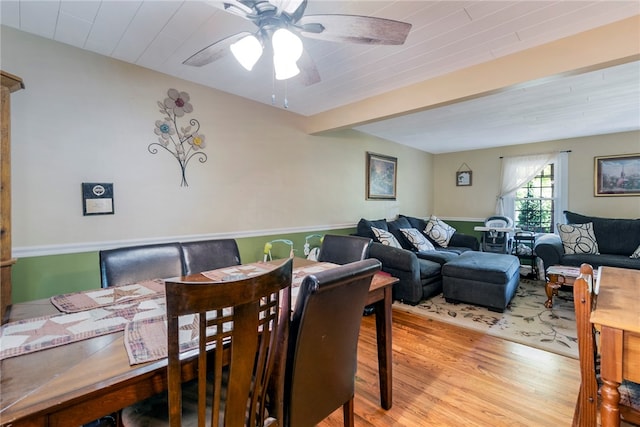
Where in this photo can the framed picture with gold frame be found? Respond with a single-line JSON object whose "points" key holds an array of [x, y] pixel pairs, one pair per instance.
{"points": [[382, 175], [617, 175]]}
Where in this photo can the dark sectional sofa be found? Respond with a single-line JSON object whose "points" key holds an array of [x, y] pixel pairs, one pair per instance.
{"points": [[617, 240], [419, 273]]}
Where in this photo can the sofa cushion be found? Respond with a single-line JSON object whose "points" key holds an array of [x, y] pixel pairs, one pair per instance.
{"points": [[439, 231], [395, 226], [417, 239], [598, 260], [457, 250], [415, 222], [440, 256], [385, 237], [364, 227], [428, 269], [608, 232], [578, 238]]}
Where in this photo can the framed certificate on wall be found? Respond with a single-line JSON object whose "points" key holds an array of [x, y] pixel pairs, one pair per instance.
{"points": [[97, 198]]}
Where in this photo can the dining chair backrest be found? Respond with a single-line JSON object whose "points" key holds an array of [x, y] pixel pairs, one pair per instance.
{"points": [[241, 315], [587, 403], [133, 264], [207, 255], [586, 411], [323, 343], [340, 249]]}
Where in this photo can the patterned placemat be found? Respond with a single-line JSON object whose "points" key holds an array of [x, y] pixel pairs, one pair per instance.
{"points": [[300, 273], [138, 309], [87, 300], [239, 272], [146, 339], [30, 335]]}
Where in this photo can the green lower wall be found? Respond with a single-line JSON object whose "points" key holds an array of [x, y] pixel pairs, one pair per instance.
{"points": [[466, 227], [44, 276]]}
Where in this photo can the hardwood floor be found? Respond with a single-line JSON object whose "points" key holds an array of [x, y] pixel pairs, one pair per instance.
{"points": [[449, 376]]}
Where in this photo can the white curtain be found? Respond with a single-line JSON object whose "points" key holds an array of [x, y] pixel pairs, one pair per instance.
{"points": [[561, 187], [516, 172]]}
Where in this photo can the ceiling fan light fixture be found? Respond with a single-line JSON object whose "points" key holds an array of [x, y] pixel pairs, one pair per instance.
{"points": [[247, 51], [285, 69], [287, 49]]}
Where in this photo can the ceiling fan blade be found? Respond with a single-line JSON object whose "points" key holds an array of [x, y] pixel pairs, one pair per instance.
{"points": [[354, 29], [308, 70], [236, 7], [295, 8], [215, 51]]}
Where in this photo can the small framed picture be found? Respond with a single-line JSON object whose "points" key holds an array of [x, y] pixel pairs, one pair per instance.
{"points": [[463, 178]]}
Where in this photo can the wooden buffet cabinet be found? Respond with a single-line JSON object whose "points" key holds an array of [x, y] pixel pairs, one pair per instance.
{"points": [[9, 83]]}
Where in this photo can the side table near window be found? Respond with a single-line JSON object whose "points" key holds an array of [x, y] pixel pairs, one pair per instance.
{"points": [[561, 275], [523, 244]]}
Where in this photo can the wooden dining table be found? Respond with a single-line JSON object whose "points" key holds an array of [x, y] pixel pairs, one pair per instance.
{"points": [[617, 315], [75, 383]]}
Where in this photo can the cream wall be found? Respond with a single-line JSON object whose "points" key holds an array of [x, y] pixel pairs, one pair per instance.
{"points": [[88, 118], [478, 201]]}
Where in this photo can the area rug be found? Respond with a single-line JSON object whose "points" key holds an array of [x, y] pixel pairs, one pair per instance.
{"points": [[526, 320]]}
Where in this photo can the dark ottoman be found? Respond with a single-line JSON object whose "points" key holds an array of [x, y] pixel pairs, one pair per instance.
{"points": [[481, 278]]}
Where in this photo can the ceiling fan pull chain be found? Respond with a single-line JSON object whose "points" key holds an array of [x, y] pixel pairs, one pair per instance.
{"points": [[286, 100], [273, 87]]}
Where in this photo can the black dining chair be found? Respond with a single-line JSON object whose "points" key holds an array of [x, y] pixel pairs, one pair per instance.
{"points": [[340, 249], [123, 266], [323, 342], [205, 255], [230, 389], [126, 265]]}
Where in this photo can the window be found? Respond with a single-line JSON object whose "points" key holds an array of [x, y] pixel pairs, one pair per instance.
{"points": [[534, 203], [534, 190]]}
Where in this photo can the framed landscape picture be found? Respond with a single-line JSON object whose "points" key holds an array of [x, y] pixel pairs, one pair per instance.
{"points": [[617, 175], [382, 174]]}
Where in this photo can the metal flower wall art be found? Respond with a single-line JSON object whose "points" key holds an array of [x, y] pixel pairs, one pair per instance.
{"points": [[183, 143]]}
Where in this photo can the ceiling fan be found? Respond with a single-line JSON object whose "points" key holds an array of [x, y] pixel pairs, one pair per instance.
{"points": [[281, 22]]}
